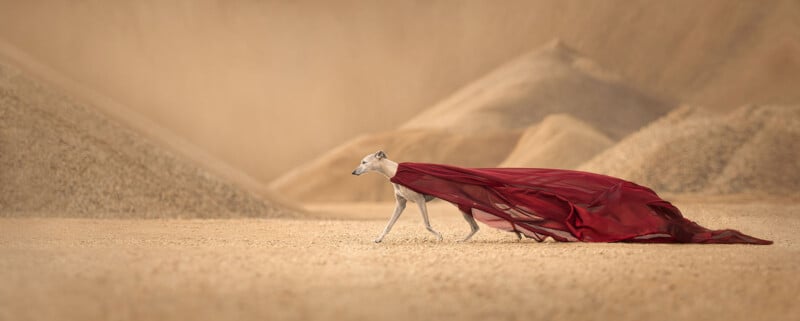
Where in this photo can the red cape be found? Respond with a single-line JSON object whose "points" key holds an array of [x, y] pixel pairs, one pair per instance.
{"points": [[565, 205]]}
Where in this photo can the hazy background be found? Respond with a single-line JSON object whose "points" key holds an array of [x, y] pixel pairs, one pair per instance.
{"points": [[190, 160], [266, 86]]}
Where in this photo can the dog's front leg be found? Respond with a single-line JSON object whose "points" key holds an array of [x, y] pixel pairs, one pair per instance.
{"points": [[398, 209], [424, 210]]}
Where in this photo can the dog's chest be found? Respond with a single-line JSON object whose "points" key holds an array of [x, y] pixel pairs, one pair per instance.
{"points": [[405, 192]]}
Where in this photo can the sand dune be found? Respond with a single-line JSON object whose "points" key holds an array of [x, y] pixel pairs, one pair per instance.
{"points": [[480, 125], [755, 149], [551, 79], [559, 141], [62, 158]]}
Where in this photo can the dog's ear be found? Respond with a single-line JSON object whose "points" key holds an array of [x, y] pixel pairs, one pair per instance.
{"points": [[380, 154]]}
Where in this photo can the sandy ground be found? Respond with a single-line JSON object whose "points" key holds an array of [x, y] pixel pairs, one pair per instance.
{"points": [[247, 269]]}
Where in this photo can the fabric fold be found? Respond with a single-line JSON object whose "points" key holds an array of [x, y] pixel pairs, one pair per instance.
{"points": [[563, 204]]}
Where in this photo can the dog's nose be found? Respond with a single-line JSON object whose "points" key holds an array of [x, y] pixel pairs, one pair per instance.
{"points": [[354, 173]]}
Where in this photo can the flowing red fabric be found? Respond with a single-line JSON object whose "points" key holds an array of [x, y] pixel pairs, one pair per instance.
{"points": [[565, 205]]}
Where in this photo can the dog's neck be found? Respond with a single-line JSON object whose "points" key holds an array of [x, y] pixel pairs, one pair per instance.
{"points": [[388, 168]]}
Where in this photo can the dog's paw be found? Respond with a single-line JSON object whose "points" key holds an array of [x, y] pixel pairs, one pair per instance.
{"points": [[378, 240]]}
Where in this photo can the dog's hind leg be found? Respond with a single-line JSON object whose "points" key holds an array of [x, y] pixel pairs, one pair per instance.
{"points": [[472, 225], [398, 209], [424, 210]]}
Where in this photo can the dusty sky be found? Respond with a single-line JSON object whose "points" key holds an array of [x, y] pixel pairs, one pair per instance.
{"points": [[266, 86]]}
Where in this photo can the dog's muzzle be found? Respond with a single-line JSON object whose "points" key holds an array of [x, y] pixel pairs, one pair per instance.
{"points": [[354, 172]]}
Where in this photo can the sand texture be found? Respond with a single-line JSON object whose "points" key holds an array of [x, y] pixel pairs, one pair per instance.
{"points": [[754, 149], [276, 269], [61, 158], [192, 160], [481, 125]]}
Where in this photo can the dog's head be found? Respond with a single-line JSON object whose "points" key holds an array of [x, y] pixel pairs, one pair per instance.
{"points": [[370, 162]]}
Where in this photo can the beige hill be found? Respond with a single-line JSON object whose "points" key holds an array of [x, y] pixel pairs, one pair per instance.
{"points": [[480, 125], [753, 149], [552, 79], [559, 141], [59, 157]]}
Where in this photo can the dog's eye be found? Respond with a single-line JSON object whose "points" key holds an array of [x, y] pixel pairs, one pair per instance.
{"points": [[363, 162]]}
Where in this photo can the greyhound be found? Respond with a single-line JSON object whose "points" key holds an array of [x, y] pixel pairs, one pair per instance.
{"points": [[379, 163]]}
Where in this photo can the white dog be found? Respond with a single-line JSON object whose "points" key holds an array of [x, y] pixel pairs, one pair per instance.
{"points": [[379, 163]]}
